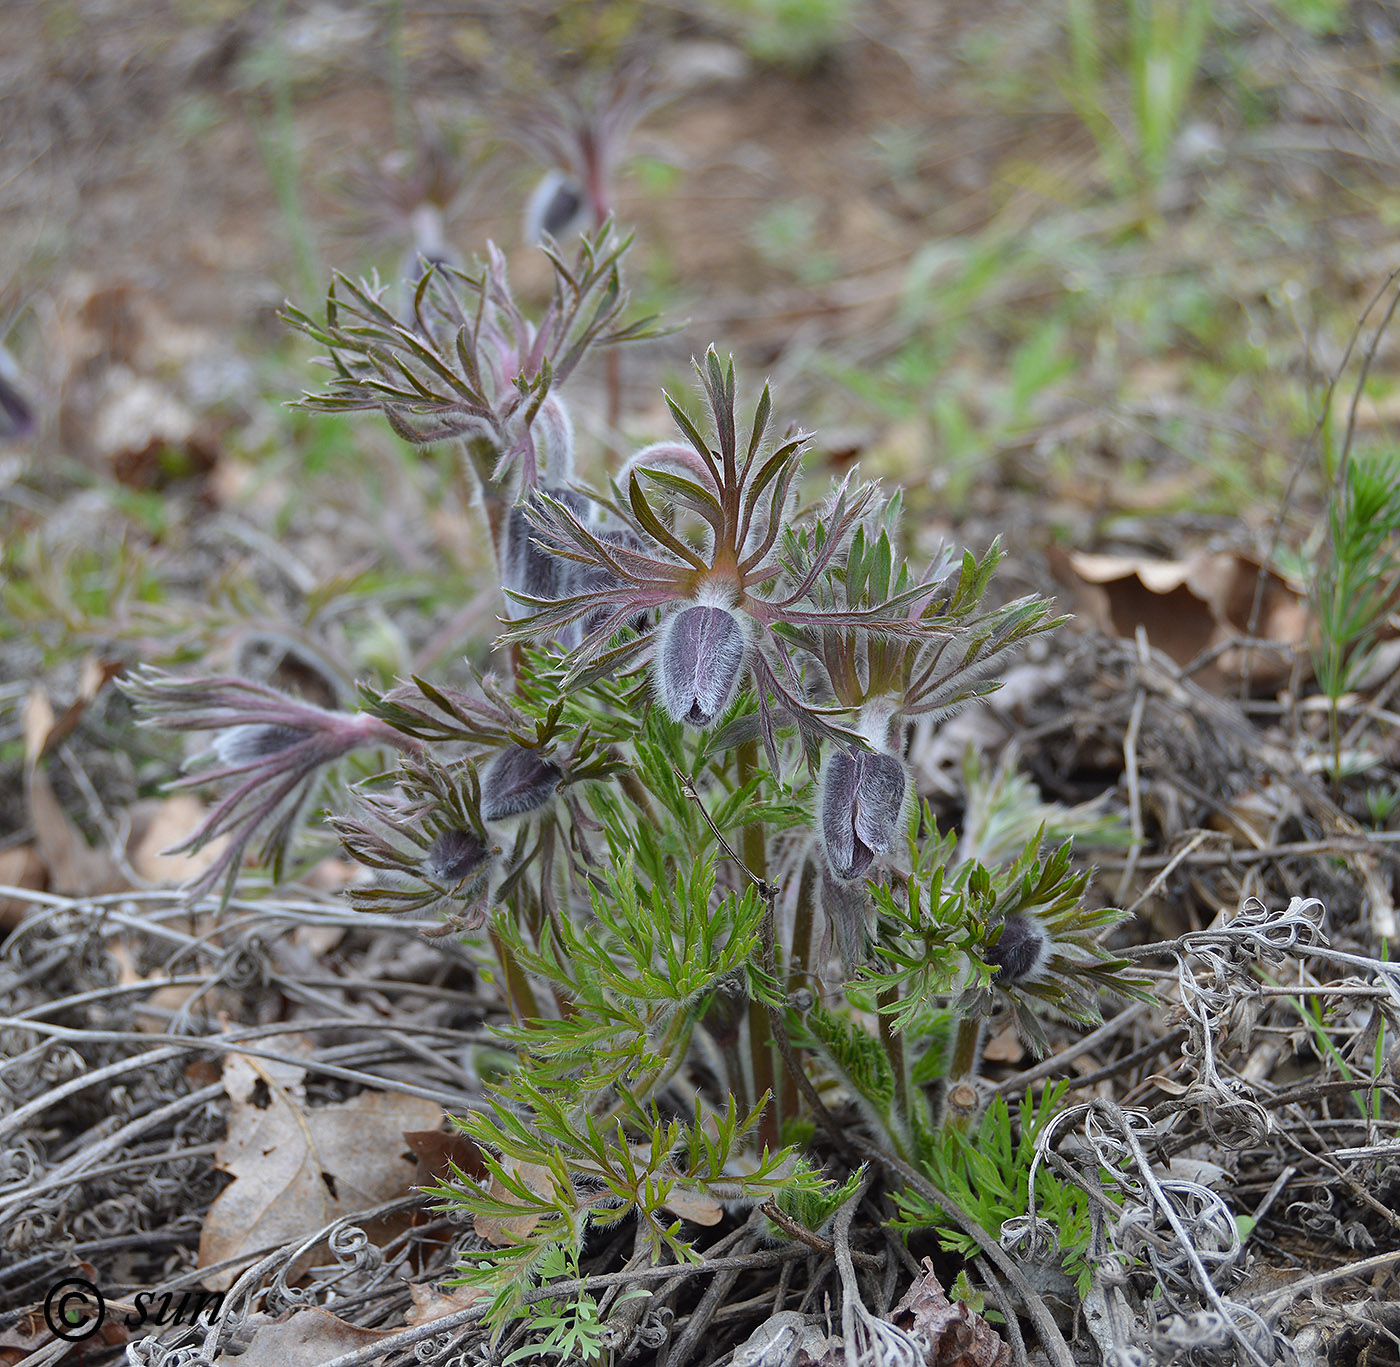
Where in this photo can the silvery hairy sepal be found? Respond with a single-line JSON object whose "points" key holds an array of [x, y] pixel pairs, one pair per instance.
{"points": [[862, 799], [847, 907], [700, 655], [517, 781]]}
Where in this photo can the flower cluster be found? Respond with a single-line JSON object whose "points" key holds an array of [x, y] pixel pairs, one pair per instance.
{"points": [[807, 610], [757, 617]]}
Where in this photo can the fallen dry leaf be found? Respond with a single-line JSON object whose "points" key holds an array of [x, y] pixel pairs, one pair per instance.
{"points": [[158, 825], [74, 868], [431, 1304], [20, 867], [503, 1230], [306, 1338], [694, 1206], [93, 676], [1188, 606], [164, 1002], [951, 1335], [298, 1168], [439, 1151], [1004, 1047]]}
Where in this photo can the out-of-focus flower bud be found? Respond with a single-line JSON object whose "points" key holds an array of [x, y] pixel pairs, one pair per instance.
{"points": [[16, 416], [528, 569], [862, 797], [517, 781], [1021, 950], [700, 654], [254, 741], [557, 207]]}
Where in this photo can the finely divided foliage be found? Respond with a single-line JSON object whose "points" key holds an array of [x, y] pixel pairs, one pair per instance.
{"points": [[679, 802]]}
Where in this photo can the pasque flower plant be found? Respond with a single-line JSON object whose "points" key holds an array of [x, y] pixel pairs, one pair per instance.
{"points": [[686, 760]]}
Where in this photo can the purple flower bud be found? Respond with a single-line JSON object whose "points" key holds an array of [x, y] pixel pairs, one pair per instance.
{"points": [[455, 856], [526, 567], [1021, 950], [16, 416], [557, 207], [249, 742], [862, 796], [517, 781], [700, 655]]}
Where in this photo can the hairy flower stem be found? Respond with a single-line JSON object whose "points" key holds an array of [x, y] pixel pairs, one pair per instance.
{"points": [[799, 969], [481, 458], [520, 996], [962, 1102], [797, 974], [894, 1049], [754, 848], [962, 1061]]}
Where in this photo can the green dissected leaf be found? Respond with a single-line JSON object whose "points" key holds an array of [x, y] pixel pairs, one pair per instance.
{"points": [[988, 1174]]}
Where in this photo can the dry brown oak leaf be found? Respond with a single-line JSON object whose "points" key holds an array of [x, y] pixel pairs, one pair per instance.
{"points": [[298, 1168]]}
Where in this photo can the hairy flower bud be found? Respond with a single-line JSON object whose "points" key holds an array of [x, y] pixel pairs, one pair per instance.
{"points": [[253, 741], [557, 208], [1020, 951], [517, 781], [862, 796], [526, 568], [455, 856], [700, 654]]}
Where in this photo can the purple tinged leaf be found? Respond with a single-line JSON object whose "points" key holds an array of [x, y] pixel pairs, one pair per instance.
{"points": [[700, 657], [1021, 950], [581, 579], [862, 796], [517, 781]]}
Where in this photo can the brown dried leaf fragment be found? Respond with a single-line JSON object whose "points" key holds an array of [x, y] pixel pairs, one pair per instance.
{"points": [[952, 1335], [1191, 605], [430, 1303], [299, 1168], [306, 1338]]}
